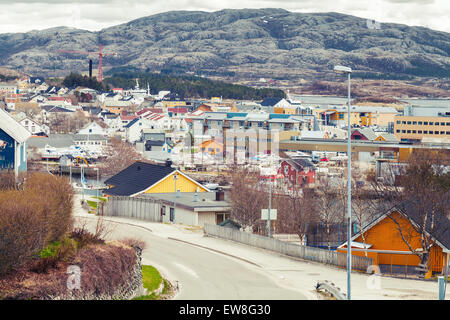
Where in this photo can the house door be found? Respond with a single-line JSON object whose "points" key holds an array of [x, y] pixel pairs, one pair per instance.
{"points": [[172, 214]]}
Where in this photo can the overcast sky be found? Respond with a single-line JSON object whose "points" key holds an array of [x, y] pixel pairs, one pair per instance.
{"points": [[94, 15]]}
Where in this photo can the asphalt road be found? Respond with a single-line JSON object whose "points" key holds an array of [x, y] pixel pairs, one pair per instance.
{"points": [[203, 274]]}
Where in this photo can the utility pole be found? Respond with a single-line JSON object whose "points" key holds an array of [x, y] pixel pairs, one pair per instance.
{"points": [[348, 71], [175, 177]]}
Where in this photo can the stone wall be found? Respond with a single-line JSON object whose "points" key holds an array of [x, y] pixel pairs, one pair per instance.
{"points": [[131, 287]]}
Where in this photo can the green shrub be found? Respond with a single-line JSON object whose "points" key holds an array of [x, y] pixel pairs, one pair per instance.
{"points": [[51, 250]]}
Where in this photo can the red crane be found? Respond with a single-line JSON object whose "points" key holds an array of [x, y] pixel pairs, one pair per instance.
{"points": [[100, 53]]}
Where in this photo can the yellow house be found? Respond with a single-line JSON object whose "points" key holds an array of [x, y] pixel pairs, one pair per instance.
{"points": [[285, 110], [211, 146], [173, 103], [142, 177]]}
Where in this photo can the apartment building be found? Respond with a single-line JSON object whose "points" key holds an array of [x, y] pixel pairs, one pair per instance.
{"points": [[359, 115], [215, 123], [419, 127]]}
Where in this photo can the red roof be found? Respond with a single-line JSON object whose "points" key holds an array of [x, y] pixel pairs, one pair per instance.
{"points": [[152, 110], [122, 117], [178, 110]]}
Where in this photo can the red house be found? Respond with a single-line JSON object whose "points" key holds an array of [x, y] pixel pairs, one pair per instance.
{"points": [[298, 171]]}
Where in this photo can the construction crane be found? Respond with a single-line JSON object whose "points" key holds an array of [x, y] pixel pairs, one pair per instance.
{"points": [[100, 53]]}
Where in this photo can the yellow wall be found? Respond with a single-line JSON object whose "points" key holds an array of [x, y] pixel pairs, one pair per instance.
{"points": [[168, 185], [113, 109], [172, 104], [415, 127]]}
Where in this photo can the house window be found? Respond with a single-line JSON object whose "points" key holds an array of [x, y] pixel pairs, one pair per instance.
{"points": [[398, 131], [425, 123], [425, 132], [414, 131], [398, 122], [409, 122], [419, 131], [341, 116], [420, 123], [415, 122]]}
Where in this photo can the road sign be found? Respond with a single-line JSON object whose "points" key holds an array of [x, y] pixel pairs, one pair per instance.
{"points": [[265, 214]]}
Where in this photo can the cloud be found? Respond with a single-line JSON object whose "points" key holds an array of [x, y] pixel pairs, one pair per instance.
{"points": [[95, 15]]}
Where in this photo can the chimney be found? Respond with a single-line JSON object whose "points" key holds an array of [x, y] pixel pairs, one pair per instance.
{"points": [[220, 195], [90, 68], [196, 196]]}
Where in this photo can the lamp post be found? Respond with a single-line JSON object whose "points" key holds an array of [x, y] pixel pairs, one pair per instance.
{"points": [[348, 71], [98, 200], [175, 177]]}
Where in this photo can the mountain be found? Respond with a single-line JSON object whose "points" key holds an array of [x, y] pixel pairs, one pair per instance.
{"points": [[256, 43]]}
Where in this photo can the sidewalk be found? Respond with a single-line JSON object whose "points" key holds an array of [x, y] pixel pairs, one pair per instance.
{"points": [[290, 272]]}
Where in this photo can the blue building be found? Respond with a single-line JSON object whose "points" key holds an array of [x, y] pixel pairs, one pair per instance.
{"points": [[13, 148]]}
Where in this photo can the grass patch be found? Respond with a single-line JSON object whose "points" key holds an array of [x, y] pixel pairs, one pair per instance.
{"points": [[103, 199], [92, 204], [151, 280]]}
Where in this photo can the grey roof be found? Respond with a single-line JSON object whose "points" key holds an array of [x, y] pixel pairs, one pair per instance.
{"points": [[270, 102], [53, 140], [136, 178], [206, 200], [12, 128], [129, 124], [367, 132]]}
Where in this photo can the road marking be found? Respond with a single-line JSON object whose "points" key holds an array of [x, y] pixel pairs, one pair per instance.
{"points": [[186, 269]]}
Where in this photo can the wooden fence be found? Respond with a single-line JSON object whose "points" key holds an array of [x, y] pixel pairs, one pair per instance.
{"points": [[290, 249]]}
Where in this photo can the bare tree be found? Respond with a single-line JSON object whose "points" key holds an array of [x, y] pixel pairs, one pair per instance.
{"points": [[364, 203], [119, 155], [330, 204], [421, 193], [296, 211], [247, 197]]}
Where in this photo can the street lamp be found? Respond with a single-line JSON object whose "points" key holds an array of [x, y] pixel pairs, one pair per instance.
{"points": [[98, 200], [175, 177], [348, 71]]}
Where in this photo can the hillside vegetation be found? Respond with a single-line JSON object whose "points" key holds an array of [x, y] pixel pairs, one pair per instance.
{"points": [[239, 43]]}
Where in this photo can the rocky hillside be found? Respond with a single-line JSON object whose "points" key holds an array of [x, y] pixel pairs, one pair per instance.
{"points": [[259, 43]]}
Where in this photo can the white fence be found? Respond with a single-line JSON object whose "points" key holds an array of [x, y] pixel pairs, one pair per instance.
{"points": [[290, 249]]}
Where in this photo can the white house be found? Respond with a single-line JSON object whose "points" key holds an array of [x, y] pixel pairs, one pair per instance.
{"points": [[34, 127], [93, 128], [133, 130]]}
